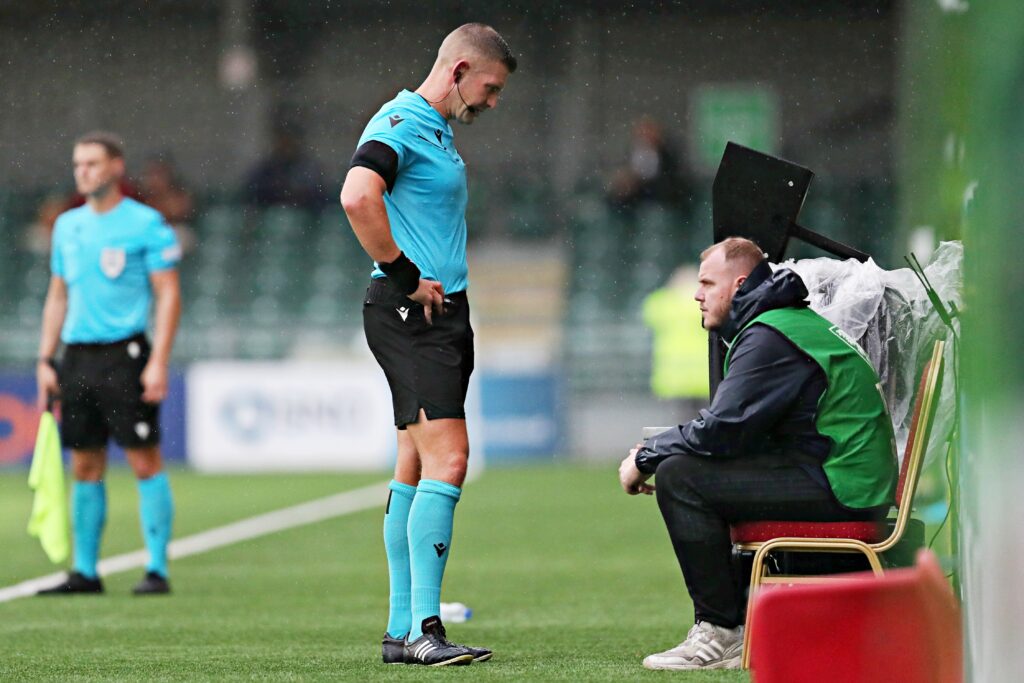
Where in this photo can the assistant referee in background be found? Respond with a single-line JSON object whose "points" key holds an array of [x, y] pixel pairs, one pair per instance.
{"points": [[111, 259]]}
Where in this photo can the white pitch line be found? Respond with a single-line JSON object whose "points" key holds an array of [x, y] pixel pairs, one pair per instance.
{"points": [[318, 510]]}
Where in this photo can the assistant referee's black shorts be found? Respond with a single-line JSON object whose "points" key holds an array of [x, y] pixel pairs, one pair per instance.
{"points": [[427, 366], [101, 396]]}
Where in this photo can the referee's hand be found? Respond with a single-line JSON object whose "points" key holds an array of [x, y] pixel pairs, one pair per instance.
{"points": [[430, 295], [154, 382], [47, 384]]}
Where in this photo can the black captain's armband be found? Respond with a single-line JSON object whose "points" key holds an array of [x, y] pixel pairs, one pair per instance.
{"points": [[402, 273], [379, 158]]}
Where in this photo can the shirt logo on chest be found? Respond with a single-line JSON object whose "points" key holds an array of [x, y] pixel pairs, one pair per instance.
{"points": [[439, 134], [112, 261], [432, 144]]}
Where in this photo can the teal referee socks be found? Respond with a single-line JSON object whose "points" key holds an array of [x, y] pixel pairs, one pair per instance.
{"points": [[430, 538], [88, 515], [396, 545], [156, 513]]}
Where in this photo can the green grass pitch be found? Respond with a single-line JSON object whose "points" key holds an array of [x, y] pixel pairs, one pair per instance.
{"points": [[568, 578]]}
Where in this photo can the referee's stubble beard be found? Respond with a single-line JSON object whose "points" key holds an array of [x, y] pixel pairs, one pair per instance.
{"points": [[478, 89]]}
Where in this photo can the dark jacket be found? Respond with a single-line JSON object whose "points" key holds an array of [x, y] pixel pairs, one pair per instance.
{"points": [[767, 403]]}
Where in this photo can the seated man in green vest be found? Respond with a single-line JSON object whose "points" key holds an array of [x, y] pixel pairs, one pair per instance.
{"points": [[798, 430]]}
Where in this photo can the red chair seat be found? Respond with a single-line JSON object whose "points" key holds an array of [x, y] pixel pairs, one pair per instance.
{"points": [[760, 532]]}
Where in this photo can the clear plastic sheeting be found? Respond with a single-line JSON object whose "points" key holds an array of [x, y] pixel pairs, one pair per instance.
{"points": [[888, 312]]}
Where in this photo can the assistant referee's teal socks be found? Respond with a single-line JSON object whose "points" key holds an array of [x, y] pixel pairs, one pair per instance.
{"points": [[430, 538], [88, 515], [156, 512], [396, 545]]}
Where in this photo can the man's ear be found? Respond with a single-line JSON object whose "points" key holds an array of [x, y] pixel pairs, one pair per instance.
{"points": [[739, 282]]}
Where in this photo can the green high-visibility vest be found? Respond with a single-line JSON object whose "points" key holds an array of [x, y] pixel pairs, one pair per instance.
{"points": [[679, 362], [861, 467]]}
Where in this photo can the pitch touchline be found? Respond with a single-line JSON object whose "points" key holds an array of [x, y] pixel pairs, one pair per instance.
{"points": [[318, 510]]}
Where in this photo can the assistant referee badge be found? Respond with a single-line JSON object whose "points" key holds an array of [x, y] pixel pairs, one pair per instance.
{"points": [[112, 261]]}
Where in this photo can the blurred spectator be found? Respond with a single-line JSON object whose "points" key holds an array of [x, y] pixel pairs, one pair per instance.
{"points": [[652, 172], [37, 236], [679, 362], [289, 176], [162, 189]]}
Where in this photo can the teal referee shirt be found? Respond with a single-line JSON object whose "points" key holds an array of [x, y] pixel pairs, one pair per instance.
{"points": [[106, 259], [427, 205]]}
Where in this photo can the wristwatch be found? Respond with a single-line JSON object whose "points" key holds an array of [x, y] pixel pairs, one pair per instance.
{"points": [[646, 460]]}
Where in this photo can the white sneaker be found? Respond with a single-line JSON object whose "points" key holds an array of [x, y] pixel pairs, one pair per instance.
{"points": [[706, 647]]}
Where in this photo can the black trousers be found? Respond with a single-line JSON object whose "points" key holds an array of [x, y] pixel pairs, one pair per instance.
{"points": [[699, 498]]}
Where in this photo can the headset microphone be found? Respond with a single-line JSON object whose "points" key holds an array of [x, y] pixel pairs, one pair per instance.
{"points": [[471, 109]]}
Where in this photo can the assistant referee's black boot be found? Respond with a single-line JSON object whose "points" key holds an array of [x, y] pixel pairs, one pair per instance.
{"points": [[76, 583], [152, 584]]}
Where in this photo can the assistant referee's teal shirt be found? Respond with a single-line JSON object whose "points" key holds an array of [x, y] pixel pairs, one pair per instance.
{"points": [[427, 205], [106, 259]]}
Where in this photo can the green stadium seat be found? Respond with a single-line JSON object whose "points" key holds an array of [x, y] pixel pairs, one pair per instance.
{"points": [[285, 271]]}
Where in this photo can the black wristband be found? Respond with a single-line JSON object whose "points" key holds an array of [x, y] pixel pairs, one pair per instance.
{"points": [[402, 273], [646, 460]]}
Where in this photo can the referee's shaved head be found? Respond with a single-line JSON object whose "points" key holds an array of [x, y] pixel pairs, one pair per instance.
{"points": [[476, 40]]}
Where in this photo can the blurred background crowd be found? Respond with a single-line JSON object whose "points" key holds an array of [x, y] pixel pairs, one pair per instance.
{"points": [[589, 186]]}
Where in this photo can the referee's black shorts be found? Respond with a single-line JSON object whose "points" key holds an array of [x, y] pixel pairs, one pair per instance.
{"points": [[101, 396], [427, 366]]}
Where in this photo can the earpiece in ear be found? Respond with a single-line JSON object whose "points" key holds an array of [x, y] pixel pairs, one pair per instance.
{"points": [[458, 76]]}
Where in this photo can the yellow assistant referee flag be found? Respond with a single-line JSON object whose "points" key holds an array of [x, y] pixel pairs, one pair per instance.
{"points": [[49, 520]]}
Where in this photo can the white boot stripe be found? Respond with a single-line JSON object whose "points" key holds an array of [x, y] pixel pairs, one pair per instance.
{"points": [[709, 652]]}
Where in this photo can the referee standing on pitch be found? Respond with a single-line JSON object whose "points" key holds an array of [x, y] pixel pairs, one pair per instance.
{"points": [[111, 258], [405, 197]]}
